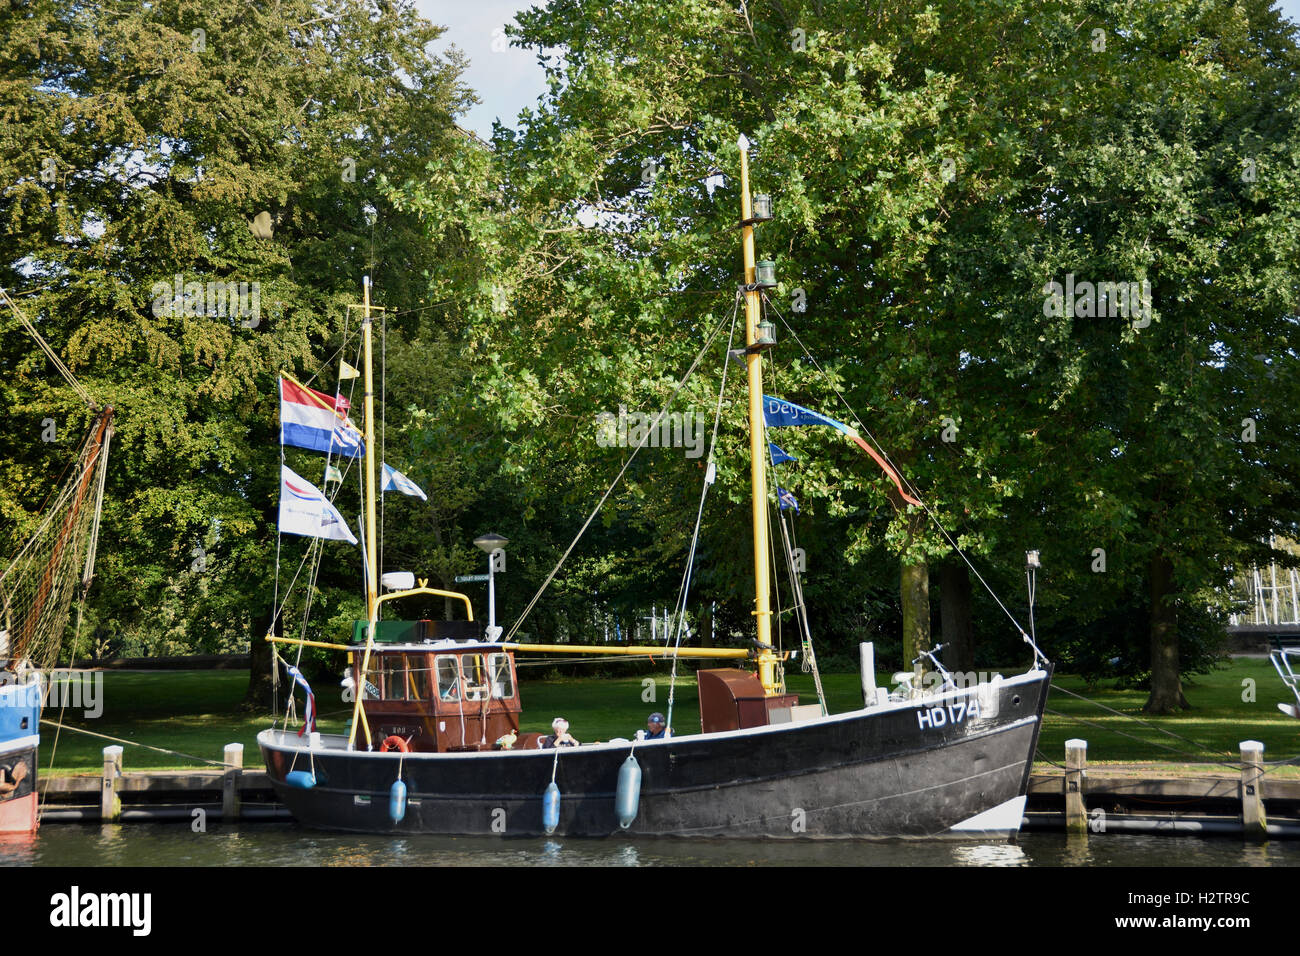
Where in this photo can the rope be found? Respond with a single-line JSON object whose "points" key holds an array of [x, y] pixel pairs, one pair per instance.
{"points": [[683, 591], [617, 478], [1145, 723], [50, 353], [916, 494], [86, 576], [133, 743]]}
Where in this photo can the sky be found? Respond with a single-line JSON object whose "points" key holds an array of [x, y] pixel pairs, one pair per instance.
{"points": [[508, 79]]}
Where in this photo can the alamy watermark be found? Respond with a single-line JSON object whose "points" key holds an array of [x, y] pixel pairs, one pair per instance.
{"points": [[216, 299], [66, 689], [634, 429], [1086, 300]]}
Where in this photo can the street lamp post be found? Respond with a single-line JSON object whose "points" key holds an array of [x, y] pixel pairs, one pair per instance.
{"points": [[495, 546]]}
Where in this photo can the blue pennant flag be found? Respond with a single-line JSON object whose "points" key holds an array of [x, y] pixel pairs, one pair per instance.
{"points": [[778, 413], [786, 500], [394, 480], [778, 454]]}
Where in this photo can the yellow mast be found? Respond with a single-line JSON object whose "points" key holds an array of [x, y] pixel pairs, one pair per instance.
{"points": [[757, 452], [372, 556], [372, 553]]}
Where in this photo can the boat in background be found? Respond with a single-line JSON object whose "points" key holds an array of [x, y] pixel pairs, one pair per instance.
{"points": [[435, 746]]}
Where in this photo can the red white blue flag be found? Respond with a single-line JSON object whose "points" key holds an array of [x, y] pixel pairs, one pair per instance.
{"points": [[316, 421]]}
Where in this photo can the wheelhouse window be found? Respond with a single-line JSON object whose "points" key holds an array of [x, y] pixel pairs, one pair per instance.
{"points": [[474, 671], [503, 684], [448, 673], [404, 677]]}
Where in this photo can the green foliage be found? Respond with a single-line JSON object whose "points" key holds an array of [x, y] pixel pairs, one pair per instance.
{"points": [[137, 149]]}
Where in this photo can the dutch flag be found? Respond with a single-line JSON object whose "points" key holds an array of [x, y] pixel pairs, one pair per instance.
{"points": [[315, 421]]}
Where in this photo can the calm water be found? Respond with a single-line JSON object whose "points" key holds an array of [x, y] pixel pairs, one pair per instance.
{"points": [[284, 844]]}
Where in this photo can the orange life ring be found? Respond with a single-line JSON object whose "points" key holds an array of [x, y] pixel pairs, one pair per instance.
{"points": [[394, 743]]}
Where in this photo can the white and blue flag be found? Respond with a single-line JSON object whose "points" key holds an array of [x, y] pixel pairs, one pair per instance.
{"points": [[305, 510], [394, 480]]}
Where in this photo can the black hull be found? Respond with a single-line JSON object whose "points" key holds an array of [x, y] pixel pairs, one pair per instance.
{"points": [[910, 770]]}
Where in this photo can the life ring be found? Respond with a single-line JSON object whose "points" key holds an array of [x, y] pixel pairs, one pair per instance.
{"points": [[394, 743]]}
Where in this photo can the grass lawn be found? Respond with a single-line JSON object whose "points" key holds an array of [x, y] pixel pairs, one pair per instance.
{"points": [[195, 712]]}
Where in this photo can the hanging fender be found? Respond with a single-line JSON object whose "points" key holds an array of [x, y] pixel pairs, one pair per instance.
{"points": [[551, 808], [397, 801], [627, 797]]}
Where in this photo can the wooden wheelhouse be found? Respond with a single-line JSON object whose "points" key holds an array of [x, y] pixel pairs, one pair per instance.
{"points": [[441, 696]]}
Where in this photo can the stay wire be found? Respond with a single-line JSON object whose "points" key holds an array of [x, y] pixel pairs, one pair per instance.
{"points": [[902, 477], [617, 478], [684, 589]]}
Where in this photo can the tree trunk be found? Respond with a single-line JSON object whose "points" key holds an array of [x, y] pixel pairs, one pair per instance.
{"points": [[915, 593], [259, 698], [1166, 686], [958, 633]]}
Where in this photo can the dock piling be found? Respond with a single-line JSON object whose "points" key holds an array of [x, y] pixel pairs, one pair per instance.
{"points": [[1076, 763], [110, 804], [1254, 824], [234, 760]]}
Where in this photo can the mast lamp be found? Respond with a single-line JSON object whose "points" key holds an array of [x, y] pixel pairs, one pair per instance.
{"points": [[761, 212], [765, 274]]}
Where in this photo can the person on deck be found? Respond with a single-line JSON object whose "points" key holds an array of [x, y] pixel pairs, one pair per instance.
{"points": [[559, 736], [656, 728]]}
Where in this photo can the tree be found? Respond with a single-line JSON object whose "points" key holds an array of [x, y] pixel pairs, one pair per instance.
{"points": [[150, 157]]}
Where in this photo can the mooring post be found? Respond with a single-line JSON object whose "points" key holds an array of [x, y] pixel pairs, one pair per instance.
{"points": [[1076, 763], [1253, 822], [234, 758], [110, 804]]}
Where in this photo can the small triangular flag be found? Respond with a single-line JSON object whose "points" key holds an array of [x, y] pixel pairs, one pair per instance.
{"points": [[346, 372], [394, 480]]}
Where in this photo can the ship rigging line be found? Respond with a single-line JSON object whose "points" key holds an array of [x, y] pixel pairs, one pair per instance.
{"points": [[683, 592], [51, 354], [653, 430], [912, 488]]}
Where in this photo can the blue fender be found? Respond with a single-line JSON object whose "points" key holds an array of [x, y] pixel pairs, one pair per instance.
{"points": [[551, 808], [300, 779], [627, 798], [397, 801]]}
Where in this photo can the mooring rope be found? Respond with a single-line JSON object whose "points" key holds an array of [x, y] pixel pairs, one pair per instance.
{"points": [[133, 743]]}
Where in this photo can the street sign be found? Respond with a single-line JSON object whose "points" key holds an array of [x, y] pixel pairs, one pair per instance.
{"points": [[470, 578]]}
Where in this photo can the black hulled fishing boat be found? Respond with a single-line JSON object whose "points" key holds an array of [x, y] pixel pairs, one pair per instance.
{"points": [[434, 744]]}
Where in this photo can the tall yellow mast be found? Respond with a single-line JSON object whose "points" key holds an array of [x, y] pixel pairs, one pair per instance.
{"points": [[372, 554], [757, 451]]}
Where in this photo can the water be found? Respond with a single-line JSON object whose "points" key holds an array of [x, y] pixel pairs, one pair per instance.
{"points": [[285, 844]]}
